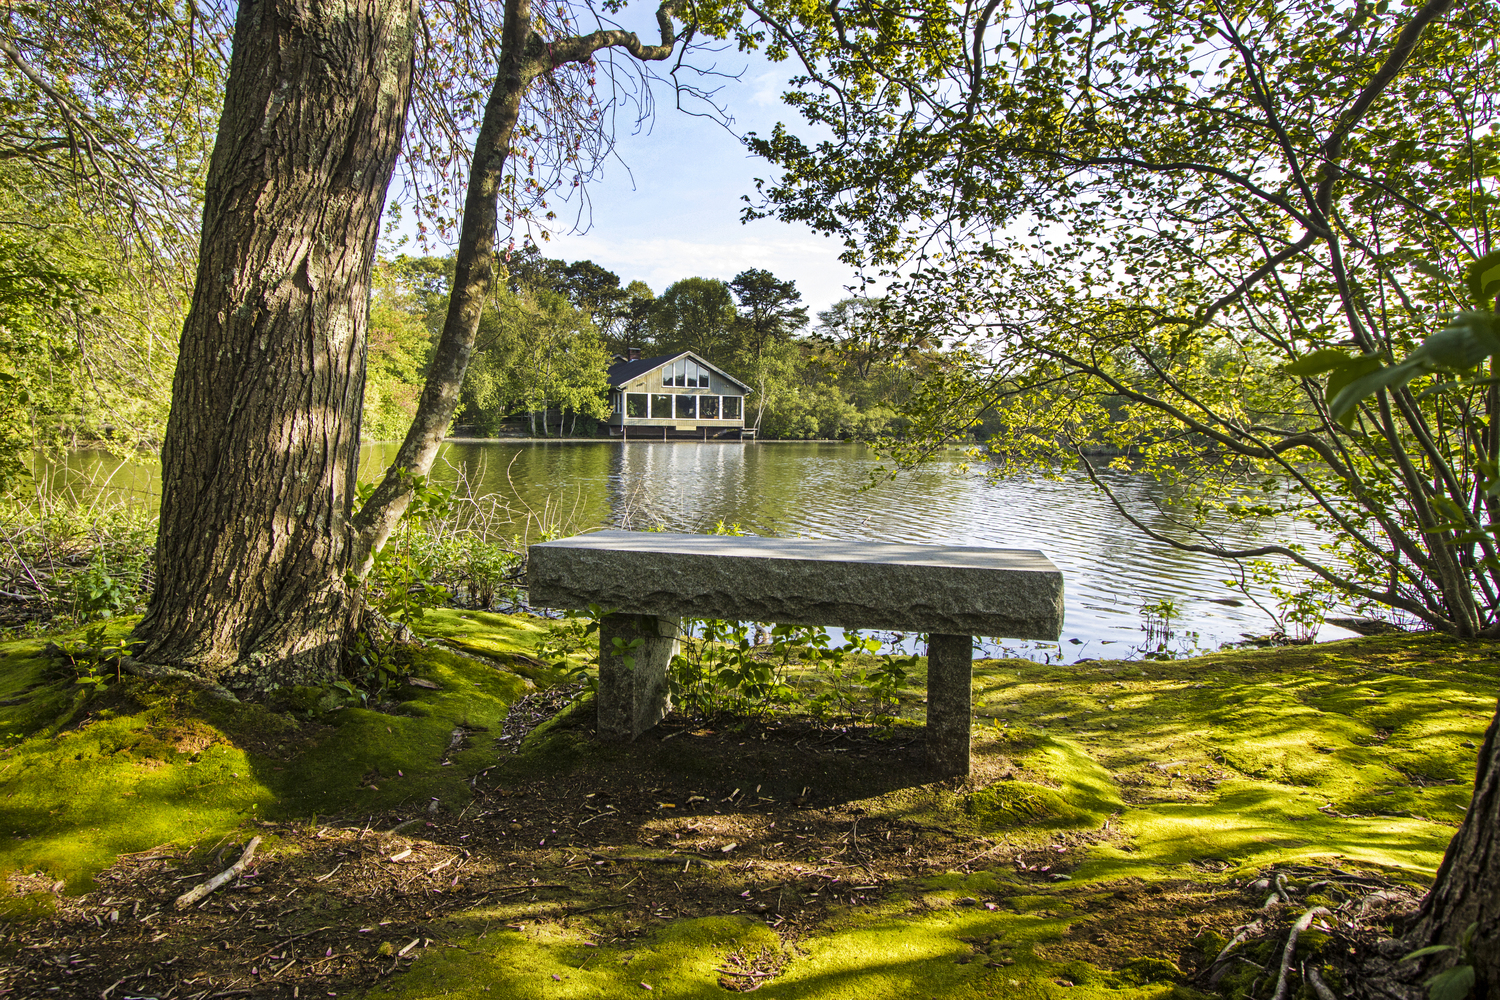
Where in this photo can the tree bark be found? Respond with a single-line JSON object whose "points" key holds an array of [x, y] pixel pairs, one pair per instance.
{"points": [[524, 56], [261, 448], [1467, 889], [258, 543]]}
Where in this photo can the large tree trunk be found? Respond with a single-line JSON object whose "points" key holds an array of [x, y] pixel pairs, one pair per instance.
{"points": [[261, 448], [1467, 889]]}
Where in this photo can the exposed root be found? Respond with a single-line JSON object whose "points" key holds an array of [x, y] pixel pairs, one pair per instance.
{"points": [[159, 671], [1290, 952], [1316, 982]]}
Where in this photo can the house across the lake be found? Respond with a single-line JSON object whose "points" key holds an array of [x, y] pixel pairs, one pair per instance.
{"points": [[674, 395]]}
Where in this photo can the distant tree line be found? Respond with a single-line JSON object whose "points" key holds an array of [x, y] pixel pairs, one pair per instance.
{"points": [[552, 328]]}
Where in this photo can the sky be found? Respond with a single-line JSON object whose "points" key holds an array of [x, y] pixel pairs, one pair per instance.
{"points": [[668, 207]]}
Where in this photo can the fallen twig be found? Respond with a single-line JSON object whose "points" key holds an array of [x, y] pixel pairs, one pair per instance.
{"points": [[193, 895]]}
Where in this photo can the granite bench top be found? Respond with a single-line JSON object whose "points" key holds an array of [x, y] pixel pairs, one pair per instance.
{"points": [[942, 589]]}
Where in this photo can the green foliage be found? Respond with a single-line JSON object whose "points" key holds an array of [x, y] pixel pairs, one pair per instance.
{"points": [[94, 657], [1130, 237], [1457, 981], [695, 314], [717, 671], [769, 312], [571, 647], [99, 594], [535, 352], [401, 583], [403, 304], [374, 672], [722, 671]]}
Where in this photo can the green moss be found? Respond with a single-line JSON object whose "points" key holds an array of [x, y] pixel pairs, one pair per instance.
{"points": [[1141, 971], [509, 639], [1195, 761], [1355, 753], [26, 908], [148, 763], [1018, 803]]}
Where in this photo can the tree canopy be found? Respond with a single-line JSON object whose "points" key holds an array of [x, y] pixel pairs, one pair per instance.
{"points": [[1133, 215]]}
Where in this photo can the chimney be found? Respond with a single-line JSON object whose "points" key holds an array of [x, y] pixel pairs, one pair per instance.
{"points": [[632, 354]]}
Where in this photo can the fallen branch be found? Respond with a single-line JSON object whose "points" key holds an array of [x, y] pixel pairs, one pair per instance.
{"points": [[233, 871], [1302, 924]]}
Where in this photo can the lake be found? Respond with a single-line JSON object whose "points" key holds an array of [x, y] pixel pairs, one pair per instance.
{"points": [[825, 490]]}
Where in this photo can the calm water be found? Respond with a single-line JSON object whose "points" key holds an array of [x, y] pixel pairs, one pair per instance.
{"points": [[824, 490]]}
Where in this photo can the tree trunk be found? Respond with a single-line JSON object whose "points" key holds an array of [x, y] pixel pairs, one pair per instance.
{"points": [[1467, 889], [524, 56], [261, 447]]}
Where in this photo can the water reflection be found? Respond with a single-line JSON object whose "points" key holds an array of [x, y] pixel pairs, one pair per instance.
{"points": [[825, 490]]}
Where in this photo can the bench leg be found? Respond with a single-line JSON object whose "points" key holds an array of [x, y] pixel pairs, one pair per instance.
{"points": [[950, 682], [634, 698]]}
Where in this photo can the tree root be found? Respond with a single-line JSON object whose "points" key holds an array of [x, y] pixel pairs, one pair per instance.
{"points": [[158, 671], [1220, 964], [1302, 924], [1319, 987]]}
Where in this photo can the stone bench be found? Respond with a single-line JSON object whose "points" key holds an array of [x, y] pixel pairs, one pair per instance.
{"points": [[650, 581]]}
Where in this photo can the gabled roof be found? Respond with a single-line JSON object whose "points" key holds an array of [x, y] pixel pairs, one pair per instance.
{"points": [[623, 371]]}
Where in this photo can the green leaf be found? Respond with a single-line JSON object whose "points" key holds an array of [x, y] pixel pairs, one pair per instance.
{"points": [[1352, 369], [1318, 362], [1431, 270], [1343, 403], [1452, 984], [1484, 279], [1467, 339]]}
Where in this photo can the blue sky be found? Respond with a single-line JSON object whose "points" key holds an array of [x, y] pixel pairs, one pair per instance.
{"points": [[675, 212], [669, 206]]}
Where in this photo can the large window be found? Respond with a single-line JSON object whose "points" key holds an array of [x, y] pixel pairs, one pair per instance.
{"points": [[708, 407], [731, 407], [685, 373], [636, 404], [661, 406], [686, 410]]}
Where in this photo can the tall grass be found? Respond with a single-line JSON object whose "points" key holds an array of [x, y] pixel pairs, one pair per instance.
{"points": [[74, 546]]}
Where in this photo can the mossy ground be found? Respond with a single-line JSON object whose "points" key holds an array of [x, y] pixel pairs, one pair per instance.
{"points": [[1159, 790]]}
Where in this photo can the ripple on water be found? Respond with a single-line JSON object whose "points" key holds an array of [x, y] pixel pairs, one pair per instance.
{"points": [[835, 491]]}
